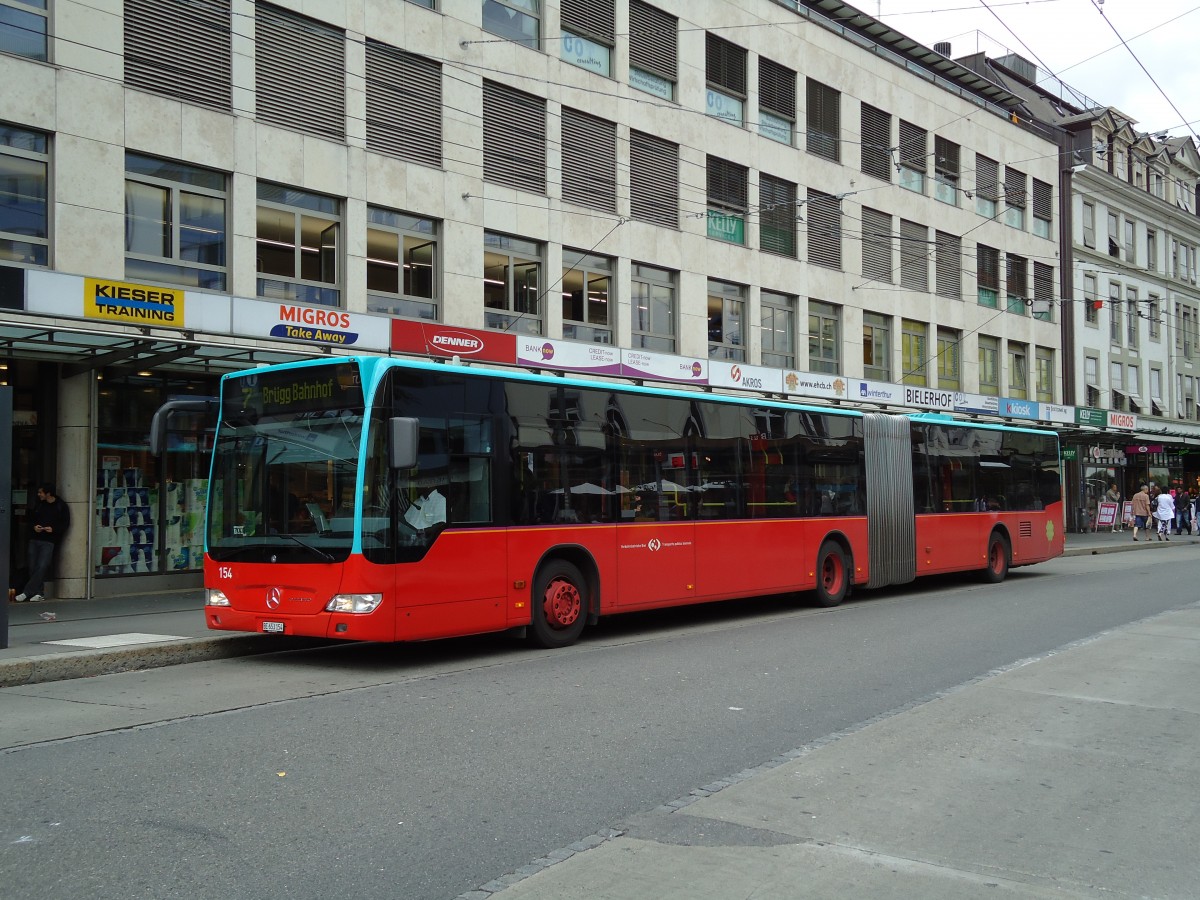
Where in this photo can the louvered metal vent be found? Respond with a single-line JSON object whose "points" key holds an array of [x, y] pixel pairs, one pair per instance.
{"points": [[914, 256], [653, 40], [776, 88], [824, 229], [300, 72], [877, 245], [653, 179], [726, 65], [949, 265], [1025, 529], [824, 120], [404, 104], [777, 221], [180, 49], [514, 138], [913, 146], [589, 160], [876, 142], [590, 18]]}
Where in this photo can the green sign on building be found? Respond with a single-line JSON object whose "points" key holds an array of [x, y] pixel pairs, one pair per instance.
{"points": [[725, 227], [1069, 454], [1086, 416]]}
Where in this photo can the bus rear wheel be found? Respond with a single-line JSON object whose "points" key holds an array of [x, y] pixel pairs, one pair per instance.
{"points": [[560, 605], [833, 577], [999, 556]]}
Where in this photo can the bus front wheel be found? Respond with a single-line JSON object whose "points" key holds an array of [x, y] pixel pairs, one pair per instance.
{"points": [[559, 605], [999, 556], [833, 577]]}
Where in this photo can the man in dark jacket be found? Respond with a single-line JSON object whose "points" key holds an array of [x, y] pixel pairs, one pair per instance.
{"points": [[50, 521]]}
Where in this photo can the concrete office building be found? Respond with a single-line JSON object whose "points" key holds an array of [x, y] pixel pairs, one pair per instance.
{"points": [[192, 188]]}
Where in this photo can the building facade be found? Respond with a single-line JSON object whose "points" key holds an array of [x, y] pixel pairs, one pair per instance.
{"points": [[788, 189]]}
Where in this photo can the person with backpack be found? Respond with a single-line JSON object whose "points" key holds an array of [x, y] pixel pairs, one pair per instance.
{"points": [[1141, 510]]}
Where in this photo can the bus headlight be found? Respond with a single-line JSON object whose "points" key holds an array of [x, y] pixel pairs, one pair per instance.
{"points": [[354, 603], [216, 597]]}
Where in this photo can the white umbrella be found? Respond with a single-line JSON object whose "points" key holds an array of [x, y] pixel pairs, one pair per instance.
{"points": [[588, 488]]}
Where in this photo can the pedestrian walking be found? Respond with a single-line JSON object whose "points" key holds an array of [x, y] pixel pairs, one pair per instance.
{"points": [[1164, 515], [50, 520], [1183, 512], [1141, 510]]}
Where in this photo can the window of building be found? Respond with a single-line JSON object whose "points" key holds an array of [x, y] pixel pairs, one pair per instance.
{"points": [[876, 142], [824, 229], [1016, 283], [987, 275], [589, 160], [949, 359], [298, 245], [299, 72], [1132, 317], [776, 101], [914, 256], [24, 26], [1116, 383], [428, 4], [1045, 374], [989, 365], [1130, 231], [877, 347], [725, 70], [1018, 370], [653, 306], [877, 253], [726, 320], [24, 208], [1114, 314], [987, 186], [914, 352], [948, 266], [175, 223], [1089, 225], [1042, 208], [404, 104], [1154, 313], [945, 168], [1133, 388], [778, 320], [1156, 401], [588, 34], [514, 138], [824, 337], [727, 193], [512, 280], [1043, 292], [1091, 311], [653, 179], [181, 50], [587, 297], [1151, 250], [777, 218], [514, 20], [653, 50], [1114, 235], [402, 264], [1091, 376], [1014, 198], [914, 156], [824, 119]]}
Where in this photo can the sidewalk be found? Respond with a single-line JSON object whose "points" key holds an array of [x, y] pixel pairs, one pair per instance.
{"points": [[118, 634]]}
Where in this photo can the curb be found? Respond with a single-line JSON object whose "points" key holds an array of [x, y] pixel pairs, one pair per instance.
{"points": [[90, 663], [1126, 548]]}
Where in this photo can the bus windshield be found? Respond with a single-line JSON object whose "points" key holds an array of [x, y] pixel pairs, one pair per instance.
{"points": [[285, 465]]}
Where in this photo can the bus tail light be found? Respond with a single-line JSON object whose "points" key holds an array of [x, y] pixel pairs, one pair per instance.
{"points": [[354, 603], [215, 597]]}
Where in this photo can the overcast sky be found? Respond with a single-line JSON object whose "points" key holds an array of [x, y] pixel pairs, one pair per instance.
{"points": [[1079, 44]]}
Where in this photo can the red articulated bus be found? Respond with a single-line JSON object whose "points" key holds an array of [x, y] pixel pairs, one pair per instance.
{"points": [[393, 500]]}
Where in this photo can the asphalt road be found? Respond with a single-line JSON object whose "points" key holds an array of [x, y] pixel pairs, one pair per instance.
{"points": [[426, 771]]}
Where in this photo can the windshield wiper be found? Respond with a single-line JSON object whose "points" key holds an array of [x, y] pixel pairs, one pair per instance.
{"points": [[307, 546]]}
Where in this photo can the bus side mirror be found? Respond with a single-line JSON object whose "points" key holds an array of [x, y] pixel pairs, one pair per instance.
{"points": [[402, 442]]}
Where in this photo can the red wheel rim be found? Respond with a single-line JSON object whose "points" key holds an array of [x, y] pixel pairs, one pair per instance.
{"points": [[831, 575], [997, 558], [561, 603]]}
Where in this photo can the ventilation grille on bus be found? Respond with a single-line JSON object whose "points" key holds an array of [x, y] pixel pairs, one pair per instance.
{"points": [[1026, 529]]}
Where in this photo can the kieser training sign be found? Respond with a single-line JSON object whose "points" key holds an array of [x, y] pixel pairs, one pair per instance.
{"points": [[132, 304]]}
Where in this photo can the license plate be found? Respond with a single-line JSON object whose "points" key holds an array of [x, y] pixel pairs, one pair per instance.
{"points": [[273, 627]]}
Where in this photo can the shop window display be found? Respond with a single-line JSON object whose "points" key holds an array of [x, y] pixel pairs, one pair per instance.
{"points": [[149, 512]]}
